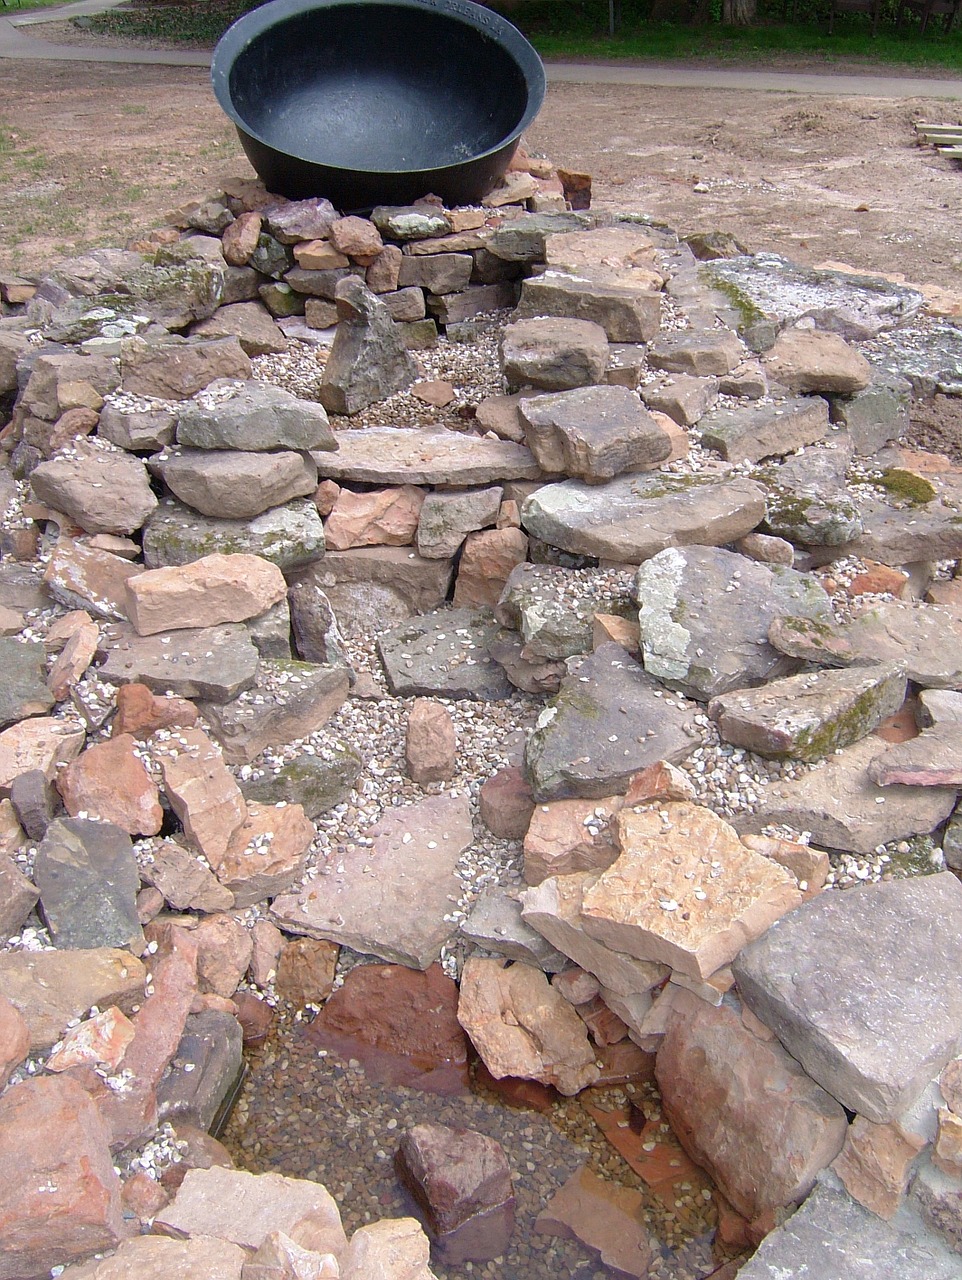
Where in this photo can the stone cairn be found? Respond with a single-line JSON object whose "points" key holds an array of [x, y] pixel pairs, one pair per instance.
{"points": [[699, 423]]}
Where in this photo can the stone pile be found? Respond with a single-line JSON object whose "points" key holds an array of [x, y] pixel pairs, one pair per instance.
{"points": [[683, 549]]}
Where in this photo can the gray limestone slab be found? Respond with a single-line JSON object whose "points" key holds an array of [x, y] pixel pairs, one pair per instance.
{"points": [[88, 879], [705, 614], [633, 517], [405, 455], [862, 988], [290, 536], [755, 431], [495, 924], [444, 654], [764, 287], [831, 1237], [214, 663], [254, 417], [842, 808], [609, 720]]}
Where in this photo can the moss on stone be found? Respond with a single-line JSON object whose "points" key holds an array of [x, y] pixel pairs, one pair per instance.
{"points": [[908, 487]]}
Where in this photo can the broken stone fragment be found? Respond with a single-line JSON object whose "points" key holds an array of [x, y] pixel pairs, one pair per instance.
{"points": [[684, 891], [875, 1164], [367, 361], [87, 875], [553, 355], [430, 745], [109, 781], [603, 1216], [522, 1027]]}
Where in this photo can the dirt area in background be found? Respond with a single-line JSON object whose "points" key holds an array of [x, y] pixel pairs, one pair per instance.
{"points": [[93, 154]]}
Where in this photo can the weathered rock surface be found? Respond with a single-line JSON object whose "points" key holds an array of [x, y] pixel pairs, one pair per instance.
{"points": [[604, 1217], [205, 593], [159, 1258], [593, 433], [103, 491], [684, 891], [443, 654], [933, 759], [59, 1194], [383, 517], [428, 456], [927, 640], [109, 782], [201, 790], [744, 1110], [633, 517], [609, 720], [447, 518], [566, 836], [87, 876], [495, 924], [81, 576], [808, 716], [392, 1249], [553, 354], [290, 536], [627, 311], [186, 883], [24, 691], [811, 360], [876, 1050], [42, 742], [389, 900], [875, 1164], [521, 1026], [214, 663], [752, 432], [229, 484], [705, 615], [367, 361], [844, 809]]}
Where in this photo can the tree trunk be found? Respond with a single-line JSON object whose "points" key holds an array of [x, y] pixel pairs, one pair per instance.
{"points": [[739, 13]]}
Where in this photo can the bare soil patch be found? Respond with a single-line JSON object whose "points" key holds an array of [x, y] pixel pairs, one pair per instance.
{"points": [[97, 153]]}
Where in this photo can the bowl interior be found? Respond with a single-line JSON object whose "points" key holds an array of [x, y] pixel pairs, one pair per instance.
{"points": [[378, 87]]}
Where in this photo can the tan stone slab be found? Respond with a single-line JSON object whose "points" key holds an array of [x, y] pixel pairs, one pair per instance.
{"points": [[685, 891]]}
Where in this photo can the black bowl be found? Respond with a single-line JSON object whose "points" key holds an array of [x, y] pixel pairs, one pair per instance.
{"points": [[378, 101]]}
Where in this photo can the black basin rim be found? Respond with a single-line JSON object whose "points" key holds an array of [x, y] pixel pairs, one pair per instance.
{"points": [[250, 26]]}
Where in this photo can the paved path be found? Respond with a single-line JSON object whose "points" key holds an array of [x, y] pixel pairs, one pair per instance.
{"points": [[16, 42]]}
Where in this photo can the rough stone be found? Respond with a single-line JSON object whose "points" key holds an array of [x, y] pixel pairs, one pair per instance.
{"points": [[608, 721], [104, 492], [443, 654], [81, 576], [751, 432], [186, 883], [809, 716], [229, 484], [495, 924], [24, 691], [14, 1040], [389, 899], [110, 783], [88, 880], [367, 361], [487, 560], [843, 809], [522, 1027], [267, 854], [811, 360], [446, 518], [593, 433], [431, 745], [633, 517], [878, 1049], [705, 615], [566, 836], [927, 640], [140, 712], [933, 759], [427, 456], [385, 517], [604, 1217], [252, 417], [206, 1067], [59, 1194], [18, 897], [553, 355], [290, 536], [176, 370], [214, 663], [42, 742], [201, 790], [684, 398], [700, 353], [875, 1164], [392, 1249], [627, 310], [506, 804], [250, 323], [73, 661]]}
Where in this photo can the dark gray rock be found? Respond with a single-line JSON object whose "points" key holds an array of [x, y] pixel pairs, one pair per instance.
{"points": [[290, 536], [88, 879], [858, 988], [522, 239], [633, 517], [552, 608], [876, 415], [609, 720], [831, 1237], [805, 717], [447, 518], [253, 417], [317, 778], [444, 654], [592, 433], [367, 361], [35, 802], [533, 675], [23, 689], [213, 663], [705, 614], [204, 1072]]}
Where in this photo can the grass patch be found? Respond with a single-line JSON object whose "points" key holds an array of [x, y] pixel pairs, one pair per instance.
{"points": [[579, 29]]}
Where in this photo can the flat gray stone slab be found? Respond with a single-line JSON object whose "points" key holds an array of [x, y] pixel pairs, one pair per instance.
{"points": [[633, 517], [444, 654], [758, 431], [391, 899], [925, 639], [844, 809], [404, 455], [930, 358], [832, 1237], [290, 536], [609, 720], [705, 614], [862, 988], [767, 288], [86, 872], [23, 691], [213, 663]]}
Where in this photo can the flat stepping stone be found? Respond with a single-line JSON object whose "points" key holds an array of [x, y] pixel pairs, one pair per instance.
{"points": [[213, 663], [756, 431], [609, 720], [844, 809], [444, 654], [633, 517], [927, 640], [254, 417], [405, 455], [833, 1238], [891, 948], [389, 899], [933, 759]]}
